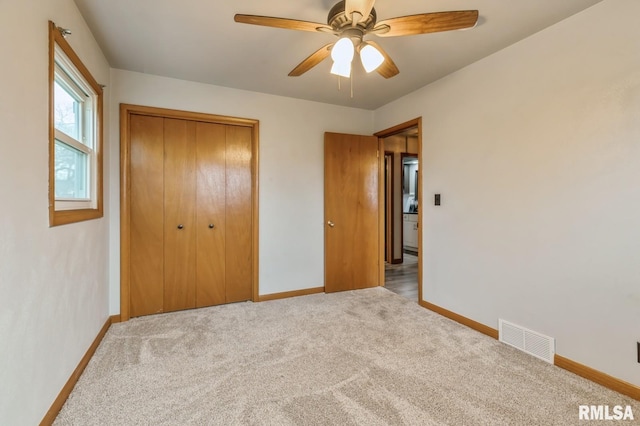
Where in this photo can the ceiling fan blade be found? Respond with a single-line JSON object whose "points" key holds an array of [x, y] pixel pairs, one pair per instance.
{"points": [[314, 59], [361, 7], [287, 24], [428, 23], [388, 68]]}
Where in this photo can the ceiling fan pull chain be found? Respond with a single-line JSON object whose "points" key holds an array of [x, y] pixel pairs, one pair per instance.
{"points": [[351, 79]]}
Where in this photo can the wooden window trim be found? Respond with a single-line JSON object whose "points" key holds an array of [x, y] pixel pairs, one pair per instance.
{"points": [[62, 217]]}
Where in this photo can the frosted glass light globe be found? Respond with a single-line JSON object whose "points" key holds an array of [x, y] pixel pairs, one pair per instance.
{"points": [[371, 58], [343, 50]]}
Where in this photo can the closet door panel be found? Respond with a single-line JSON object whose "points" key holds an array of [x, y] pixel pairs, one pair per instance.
{"points": [[238, 213], [146, 215], [210, 215], [180, 213]]}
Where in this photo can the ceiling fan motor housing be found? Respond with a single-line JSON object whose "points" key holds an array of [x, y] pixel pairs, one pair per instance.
{"points": [[340, 22]]}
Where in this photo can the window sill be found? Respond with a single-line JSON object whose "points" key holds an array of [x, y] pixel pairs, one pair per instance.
{"points": [[64, 217]]}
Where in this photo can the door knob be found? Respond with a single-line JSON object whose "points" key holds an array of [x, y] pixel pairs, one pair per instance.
{"points": [[331, 224], [180, 226], [211, 226]]}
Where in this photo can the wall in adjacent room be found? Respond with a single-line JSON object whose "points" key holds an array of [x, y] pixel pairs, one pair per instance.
{"points": [[536, 152], [53, 281], [291, 169]]}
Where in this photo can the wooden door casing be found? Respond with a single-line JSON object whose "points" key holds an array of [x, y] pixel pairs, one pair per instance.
{"points": [[413, 145], [388, 206], [352, 204]]}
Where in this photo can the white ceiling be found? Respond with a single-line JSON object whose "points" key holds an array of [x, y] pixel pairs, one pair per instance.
{"points": [[198, 40]]}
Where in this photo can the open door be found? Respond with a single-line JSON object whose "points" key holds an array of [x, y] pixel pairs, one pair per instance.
{"points": [[352, 206]]}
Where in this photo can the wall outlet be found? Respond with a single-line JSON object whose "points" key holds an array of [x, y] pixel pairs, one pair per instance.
{"points": [[638, 352]]}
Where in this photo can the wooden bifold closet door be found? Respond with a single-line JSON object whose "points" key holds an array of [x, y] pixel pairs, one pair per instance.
{"points": [[190, 214]]}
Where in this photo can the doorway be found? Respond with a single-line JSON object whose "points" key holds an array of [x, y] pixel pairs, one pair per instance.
{"points": [[402, 146]]}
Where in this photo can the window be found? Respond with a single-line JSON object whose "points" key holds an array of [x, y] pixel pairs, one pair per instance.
{"points": [[75, 136]]}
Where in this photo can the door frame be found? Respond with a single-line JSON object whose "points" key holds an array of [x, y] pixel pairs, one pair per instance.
{"points": [[388, 203], [126, 110], [416, 122], [404, 155]]}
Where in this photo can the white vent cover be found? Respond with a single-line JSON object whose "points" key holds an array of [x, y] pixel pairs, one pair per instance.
{"points": [[528, 341]]}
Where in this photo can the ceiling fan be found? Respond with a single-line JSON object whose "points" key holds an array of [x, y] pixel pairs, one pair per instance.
{"points": [[351, 21]]}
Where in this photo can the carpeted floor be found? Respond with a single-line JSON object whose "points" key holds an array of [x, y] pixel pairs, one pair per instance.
{"points": [[367, 357]]}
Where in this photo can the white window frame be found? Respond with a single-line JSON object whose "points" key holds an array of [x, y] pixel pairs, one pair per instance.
{"points": [[71, 75]]}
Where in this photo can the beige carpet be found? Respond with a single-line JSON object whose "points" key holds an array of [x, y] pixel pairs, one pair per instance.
{"points": [[367, 357]]}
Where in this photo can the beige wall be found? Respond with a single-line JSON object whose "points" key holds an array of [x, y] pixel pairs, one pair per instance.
{"points": [[53, 281], [536, 151]]}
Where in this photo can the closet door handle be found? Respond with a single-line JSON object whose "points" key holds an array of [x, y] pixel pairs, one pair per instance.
{"points": [[211, 226], [180, 226]]}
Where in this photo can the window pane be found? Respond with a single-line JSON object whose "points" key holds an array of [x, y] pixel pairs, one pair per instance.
{"points": [[66, 112], [71, 172]]}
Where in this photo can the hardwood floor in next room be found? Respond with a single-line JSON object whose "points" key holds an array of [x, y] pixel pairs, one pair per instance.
{"points": [[402, 278]]}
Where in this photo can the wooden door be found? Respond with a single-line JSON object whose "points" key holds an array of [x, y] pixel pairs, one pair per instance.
{"points": [[224, 271], [352, 227], [179, 215], [189, 222], [210, 215], [238, 254], [146, 272]]}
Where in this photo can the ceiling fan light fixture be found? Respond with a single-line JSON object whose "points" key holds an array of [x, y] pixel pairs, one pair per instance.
{"points": [[343, 69], [343, 51], [371, 58], [351, 21]]}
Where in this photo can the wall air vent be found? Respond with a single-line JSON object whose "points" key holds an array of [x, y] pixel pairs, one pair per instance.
{"points": [[526, 340]]}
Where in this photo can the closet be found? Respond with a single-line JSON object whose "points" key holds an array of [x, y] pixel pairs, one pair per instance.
{"points": [[188, 211]]}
